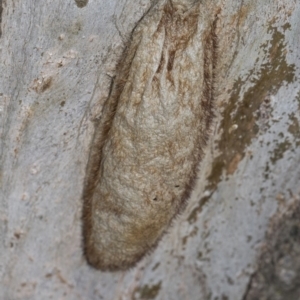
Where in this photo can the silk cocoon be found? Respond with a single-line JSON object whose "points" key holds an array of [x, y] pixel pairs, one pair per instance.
{"points": [[150, 138]]}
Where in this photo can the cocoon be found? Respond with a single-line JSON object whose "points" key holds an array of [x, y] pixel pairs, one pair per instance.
{"points": [[149, 140]]}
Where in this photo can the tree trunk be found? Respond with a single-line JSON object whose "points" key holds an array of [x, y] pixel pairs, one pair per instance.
{"points": [[58, 59]]}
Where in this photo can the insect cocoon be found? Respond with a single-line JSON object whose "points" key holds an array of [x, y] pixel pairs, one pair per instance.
{"points": [[149, 141]]}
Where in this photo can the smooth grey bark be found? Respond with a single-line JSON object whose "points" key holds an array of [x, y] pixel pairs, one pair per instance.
{"points": [[57, 63]]}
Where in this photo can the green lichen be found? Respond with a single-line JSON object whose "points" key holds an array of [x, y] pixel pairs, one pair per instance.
{"points": [[279, 151], [298, 100], [272, 75], [148, 292], [294, 129], [270, 79], [191, 234], [277, 275], [193, 215]]}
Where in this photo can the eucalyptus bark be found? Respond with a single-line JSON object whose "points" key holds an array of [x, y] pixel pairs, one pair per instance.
{"points": [[58, 60]]}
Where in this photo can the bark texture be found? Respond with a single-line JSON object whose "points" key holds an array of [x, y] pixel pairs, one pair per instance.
{"points": [[57, 61]]}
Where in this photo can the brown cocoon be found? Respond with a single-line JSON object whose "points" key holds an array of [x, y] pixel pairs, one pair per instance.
{"points": [[149, 141]]}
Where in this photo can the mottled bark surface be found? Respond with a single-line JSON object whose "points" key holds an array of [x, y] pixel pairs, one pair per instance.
{"points": [[57, 61]]}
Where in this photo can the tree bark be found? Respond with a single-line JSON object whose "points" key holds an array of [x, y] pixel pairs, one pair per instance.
{"points": [[58, 60]]}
